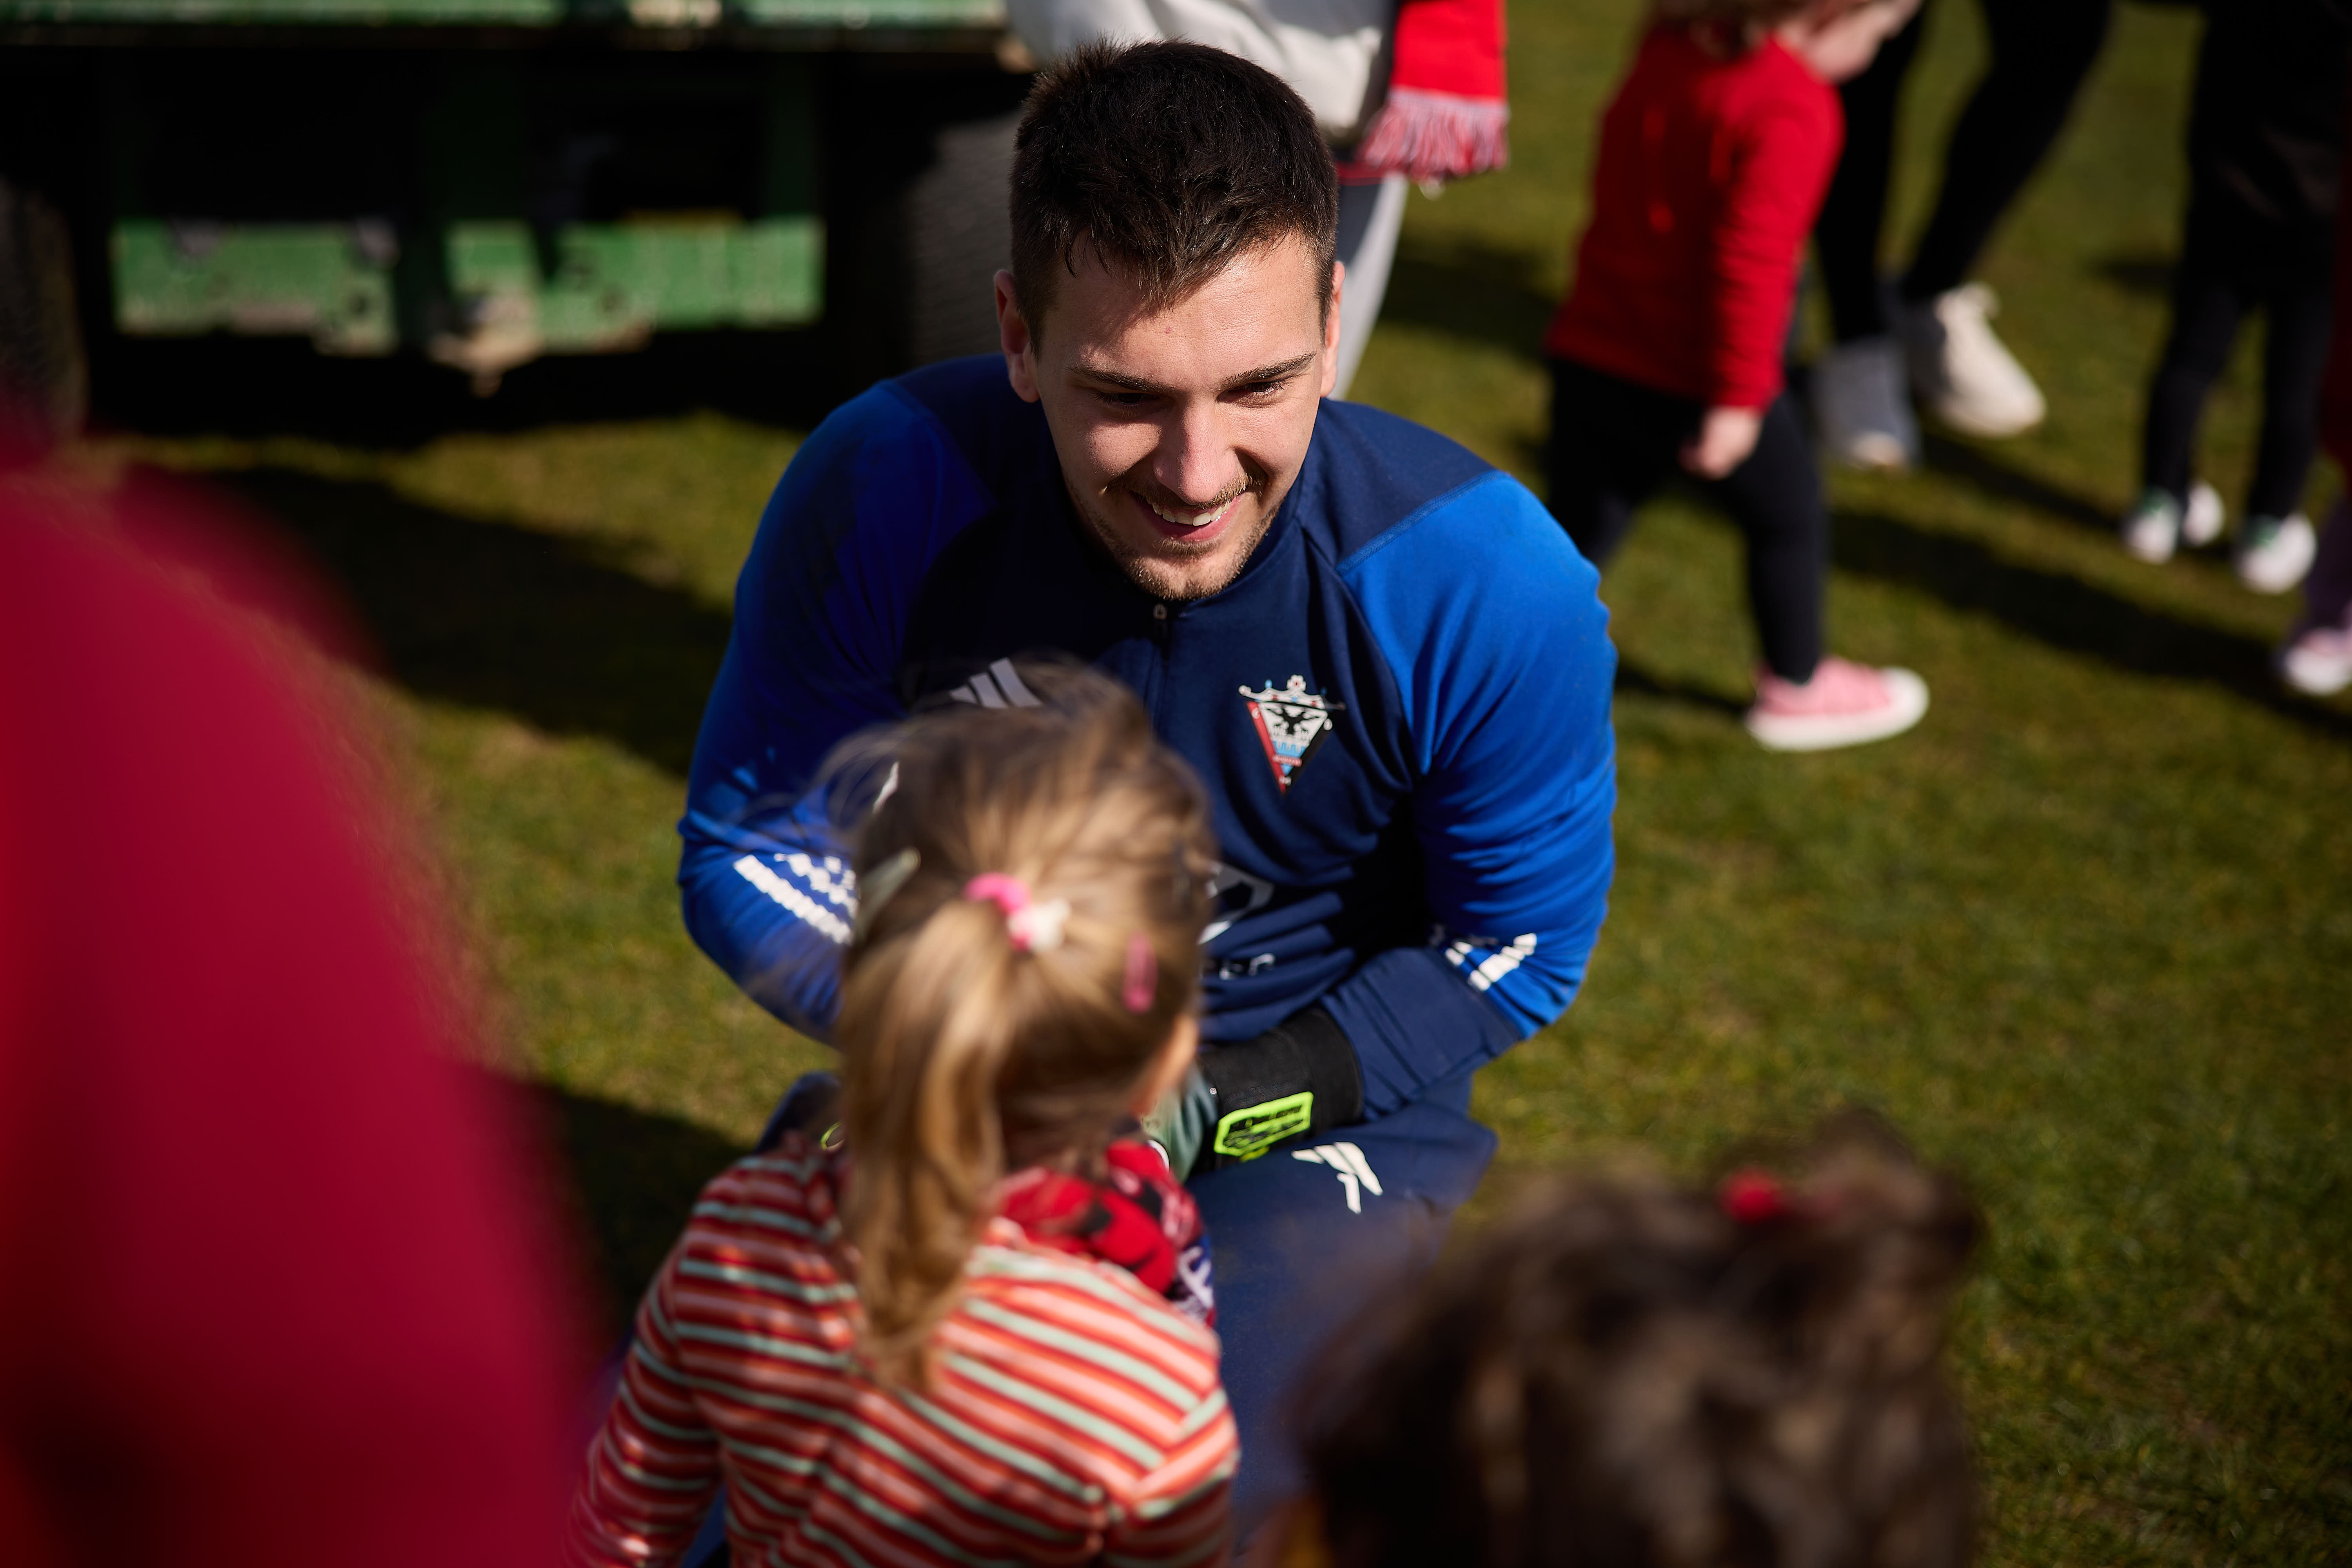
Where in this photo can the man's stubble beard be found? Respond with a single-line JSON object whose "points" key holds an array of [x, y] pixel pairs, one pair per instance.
{"points": [[1154, 573]]}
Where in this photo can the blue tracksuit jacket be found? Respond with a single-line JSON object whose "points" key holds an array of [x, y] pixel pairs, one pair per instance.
{"points": [[1399, 709]]}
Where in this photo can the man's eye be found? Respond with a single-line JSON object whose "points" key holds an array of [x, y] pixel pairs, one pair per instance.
{"points": [[1124, 399], [1259, 391]]}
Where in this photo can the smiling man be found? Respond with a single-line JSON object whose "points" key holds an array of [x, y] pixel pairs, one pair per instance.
{"points": [[1176, 440], [1384, 660]]}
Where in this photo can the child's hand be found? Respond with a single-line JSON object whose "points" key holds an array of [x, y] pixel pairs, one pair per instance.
{"points": [[1837, 39], [1724, 440]]}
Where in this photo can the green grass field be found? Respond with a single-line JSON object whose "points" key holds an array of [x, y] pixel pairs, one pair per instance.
{"points": [[2087, 934]]}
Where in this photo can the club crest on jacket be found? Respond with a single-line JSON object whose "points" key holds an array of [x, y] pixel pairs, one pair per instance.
{"points": [[1291, 724]]}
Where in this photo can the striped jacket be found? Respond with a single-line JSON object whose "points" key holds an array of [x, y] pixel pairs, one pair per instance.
{"points": [[1074, 1416]]}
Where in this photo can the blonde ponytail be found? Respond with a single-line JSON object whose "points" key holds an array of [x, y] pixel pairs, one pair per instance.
{"points": [[967, 1050]]}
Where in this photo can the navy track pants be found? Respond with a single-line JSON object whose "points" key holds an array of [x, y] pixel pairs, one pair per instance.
{"points": [[1310, 1235]]}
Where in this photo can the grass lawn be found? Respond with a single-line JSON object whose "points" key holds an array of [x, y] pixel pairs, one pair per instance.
{"points": [[2087, 934]]}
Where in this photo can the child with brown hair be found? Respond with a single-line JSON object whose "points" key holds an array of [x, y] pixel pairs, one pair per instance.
{"points": [[1667, 355], [1628, 1373], [968, 1324]]}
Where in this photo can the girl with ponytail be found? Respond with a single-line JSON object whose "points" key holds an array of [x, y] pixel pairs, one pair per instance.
{"points": [[953, 1316]]}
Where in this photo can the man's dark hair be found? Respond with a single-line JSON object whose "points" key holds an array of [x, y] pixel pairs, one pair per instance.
{"points": [[1170, 161]]}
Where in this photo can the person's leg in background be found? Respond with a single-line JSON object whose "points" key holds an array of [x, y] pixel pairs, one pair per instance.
{"points": [[2042, 51], [1612, 444], [1848, 234], [2174, 508], [1859, 402], [1775, 498], [1304, 1238], [1371, 214], [2297, 317], [2277, 544], [1805, 700]]}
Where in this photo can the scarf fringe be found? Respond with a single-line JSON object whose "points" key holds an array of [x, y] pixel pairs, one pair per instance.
{"points": [[1432, 137]]}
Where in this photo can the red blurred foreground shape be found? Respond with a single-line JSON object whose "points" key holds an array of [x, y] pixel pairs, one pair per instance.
{"points": [[272, 1287]]}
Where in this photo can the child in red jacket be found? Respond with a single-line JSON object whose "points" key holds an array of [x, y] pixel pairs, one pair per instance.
{"points": [[1714, 159]]}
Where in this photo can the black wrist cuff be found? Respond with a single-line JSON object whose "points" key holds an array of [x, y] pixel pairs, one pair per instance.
{"points": [[1300, 1077], [813, 1106]]}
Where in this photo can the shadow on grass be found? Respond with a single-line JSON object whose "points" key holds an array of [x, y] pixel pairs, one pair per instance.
{"points": [[1483, 293], [1632, 678], [557, 631], [269, 387], [636, 1176], [2066, 613], [1973, 466], [2143, 274]]}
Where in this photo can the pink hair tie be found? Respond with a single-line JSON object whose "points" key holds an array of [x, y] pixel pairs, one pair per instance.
{"points": [[1034, 927], [1142, 974]]}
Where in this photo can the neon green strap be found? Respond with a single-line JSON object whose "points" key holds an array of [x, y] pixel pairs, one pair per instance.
{"points": [[1250, 1131]]}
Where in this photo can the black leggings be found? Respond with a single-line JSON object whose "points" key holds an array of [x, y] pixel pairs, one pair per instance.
{"points": [[1847, 235], [2041, 50], [2230, 266], [1613, 444]]}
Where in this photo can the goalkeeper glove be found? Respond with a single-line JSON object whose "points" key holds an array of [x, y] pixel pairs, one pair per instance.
{"points": [[1241, 1099]]}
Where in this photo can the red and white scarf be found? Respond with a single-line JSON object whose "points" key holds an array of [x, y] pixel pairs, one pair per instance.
{"points": [[1137, 1216], [1445, 116]]}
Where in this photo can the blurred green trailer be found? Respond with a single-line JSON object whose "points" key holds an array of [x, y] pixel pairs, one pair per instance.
{"points": [[486, 182]]}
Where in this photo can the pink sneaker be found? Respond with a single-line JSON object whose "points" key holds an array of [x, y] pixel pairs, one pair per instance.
{"points": [[1844, 704], [2317, 660], [2317, 655]]}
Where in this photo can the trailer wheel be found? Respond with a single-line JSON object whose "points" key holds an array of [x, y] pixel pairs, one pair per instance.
{"points": [[957, 236], [44, 372]]}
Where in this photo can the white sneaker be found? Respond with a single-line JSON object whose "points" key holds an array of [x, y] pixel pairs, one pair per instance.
{"points": [[2275, 552], [2151, 530], [1861, 408], [2156, 525], [2317, 660], [2200, 524], [1962, 372]]}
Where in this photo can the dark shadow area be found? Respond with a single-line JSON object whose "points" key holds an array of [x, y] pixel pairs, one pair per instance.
{"points": [[1633, 678], [895, 145], [279, 387], [634, 1176], [556, 631], [2146, 275], [2065, 613], [1974, 466], [1478, 292]]}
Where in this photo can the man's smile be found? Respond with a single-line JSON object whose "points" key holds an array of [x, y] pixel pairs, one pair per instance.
{"points": [[1191, 525], [1193, 519]]}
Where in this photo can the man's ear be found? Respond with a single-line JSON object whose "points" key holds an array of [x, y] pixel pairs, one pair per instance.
{"points": [[1019, 344], [1331, 330]]}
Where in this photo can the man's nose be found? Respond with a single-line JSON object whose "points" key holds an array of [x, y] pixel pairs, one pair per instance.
{"points": [[1196, 460]]}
